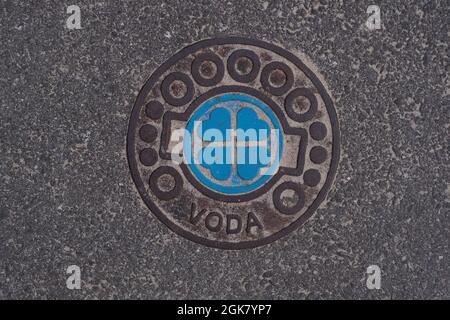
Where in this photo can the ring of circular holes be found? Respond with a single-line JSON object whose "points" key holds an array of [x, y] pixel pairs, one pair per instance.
{"points": [[318, 131], [265, 76], [311, 177], [245, 78], [148, 133], [318, 154], [232, 65], [162, 194], [197, 64], [289, 185], [166, 90]]}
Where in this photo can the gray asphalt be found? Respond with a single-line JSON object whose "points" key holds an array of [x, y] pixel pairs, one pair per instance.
{"points": [[66, 193]]}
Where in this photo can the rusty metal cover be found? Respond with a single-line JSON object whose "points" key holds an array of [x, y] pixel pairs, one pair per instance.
{"points": [[233, 142]]}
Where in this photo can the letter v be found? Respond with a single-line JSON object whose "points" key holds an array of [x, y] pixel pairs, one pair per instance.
{"points": [[196, 217]]}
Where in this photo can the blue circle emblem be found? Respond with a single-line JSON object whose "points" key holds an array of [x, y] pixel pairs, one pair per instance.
{"points": [[233, 143]]}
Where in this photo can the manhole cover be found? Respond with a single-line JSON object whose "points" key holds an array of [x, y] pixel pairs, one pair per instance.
{"points": [[233, 142]]}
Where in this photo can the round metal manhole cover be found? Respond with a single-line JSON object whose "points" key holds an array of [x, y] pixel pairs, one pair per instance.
{"points": [[233, 142]]}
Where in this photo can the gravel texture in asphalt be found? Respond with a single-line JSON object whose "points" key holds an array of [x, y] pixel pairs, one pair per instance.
{"points": [[66, 193]]}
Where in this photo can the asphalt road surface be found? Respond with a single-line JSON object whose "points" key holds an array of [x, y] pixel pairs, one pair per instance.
{"points": [[66, 192]]}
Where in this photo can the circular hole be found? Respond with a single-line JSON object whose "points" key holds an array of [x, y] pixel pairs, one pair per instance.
{"points": [[301, 104], [148, 133], [244, 66], [166, 183], [208, 69], [289, 198], [154, 110], [148, 157], [277, 78], [178, 89]]}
